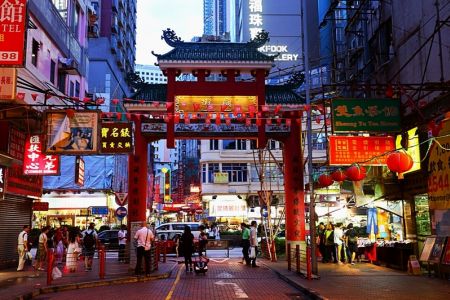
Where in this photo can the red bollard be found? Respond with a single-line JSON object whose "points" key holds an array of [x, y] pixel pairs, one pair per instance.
{"points": [[165, 251], [289, 256], [308, 264], [50, 260], [102, 261], [297, 257]]}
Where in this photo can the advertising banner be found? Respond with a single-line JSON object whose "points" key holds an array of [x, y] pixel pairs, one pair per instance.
{"points": [[77, 134], [439, 170], [13, 20], [412, 148], [373, 115], [220, 177], [37, 163], [369, 151], [8, 78], [116, 138]]}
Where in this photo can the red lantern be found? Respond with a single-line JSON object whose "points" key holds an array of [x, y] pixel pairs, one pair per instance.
{"points": [[356, 173], [325, 180], [399, 162], [338, 175], [70, 113]]}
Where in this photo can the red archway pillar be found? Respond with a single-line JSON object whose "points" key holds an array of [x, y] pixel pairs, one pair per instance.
{"points": [[137, 177], [294, 188], [260, 77]]}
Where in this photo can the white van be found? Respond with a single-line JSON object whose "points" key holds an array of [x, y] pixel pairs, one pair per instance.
{"points": [[180, 226]]}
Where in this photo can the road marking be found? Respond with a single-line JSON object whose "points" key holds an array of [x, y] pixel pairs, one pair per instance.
{"points": [[237, 290], [219, 260], [224, 275], [169, 295]]}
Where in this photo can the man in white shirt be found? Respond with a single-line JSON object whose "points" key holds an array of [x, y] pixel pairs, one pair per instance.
{"points": [[338, 241], [122, 236], [144, 238], [22, 246], [253, 243]]}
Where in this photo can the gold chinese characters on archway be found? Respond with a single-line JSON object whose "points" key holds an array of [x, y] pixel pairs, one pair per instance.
{"points": [[227, 104]]}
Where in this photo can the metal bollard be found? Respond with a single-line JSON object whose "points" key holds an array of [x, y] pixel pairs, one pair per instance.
{"points": [[102, 261], [289, 256], [297, 257], [50, 261], [308, 263]]}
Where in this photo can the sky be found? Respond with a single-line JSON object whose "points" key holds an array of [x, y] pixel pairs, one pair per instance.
{"points": [[185, 17]]}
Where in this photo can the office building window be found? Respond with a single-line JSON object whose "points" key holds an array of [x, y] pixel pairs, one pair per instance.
{"points": [[213, 144], [212, 168], [52, 71], [234, 145], [34, 52], [236, 172]]}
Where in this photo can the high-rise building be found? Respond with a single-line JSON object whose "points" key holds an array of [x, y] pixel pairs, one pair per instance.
{"points": [[215, 17], [150, 74], [112, 48]]}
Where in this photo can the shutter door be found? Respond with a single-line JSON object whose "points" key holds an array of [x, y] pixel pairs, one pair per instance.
{"points": [[15, 211]]}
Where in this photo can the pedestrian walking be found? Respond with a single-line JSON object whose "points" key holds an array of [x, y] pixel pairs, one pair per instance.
{"points": [[320, 240], [338, 241], [352, 242], [253, 243], [22, 246], [89, 243], [122, 236], [187, 246], [245, 243], [329, 244], [41, 253], [73, 250], [143, 238], [58, 241]]}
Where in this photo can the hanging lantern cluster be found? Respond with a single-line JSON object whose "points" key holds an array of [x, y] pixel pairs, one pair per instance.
{"points": [[325, 180], [399, 162], [339, 175], [353, 173]]}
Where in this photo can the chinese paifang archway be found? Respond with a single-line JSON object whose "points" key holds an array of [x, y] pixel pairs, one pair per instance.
{"points": [[202, 109]]}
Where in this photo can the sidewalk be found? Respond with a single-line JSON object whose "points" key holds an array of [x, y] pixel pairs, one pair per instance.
{"points": [[30, 283], [363, 281]]}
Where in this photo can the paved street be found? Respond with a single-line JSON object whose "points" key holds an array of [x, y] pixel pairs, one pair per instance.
{"points": [[226, 279]]}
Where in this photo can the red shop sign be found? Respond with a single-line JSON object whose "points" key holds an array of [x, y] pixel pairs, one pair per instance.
{"points": [[366, 150], [13, 20], [40, 206], [37, 163]]}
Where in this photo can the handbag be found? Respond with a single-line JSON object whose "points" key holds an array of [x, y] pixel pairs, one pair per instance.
{"points": [[252, 252]]}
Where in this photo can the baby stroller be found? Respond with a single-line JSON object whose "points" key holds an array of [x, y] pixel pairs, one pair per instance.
{"points": [[201, 265]]}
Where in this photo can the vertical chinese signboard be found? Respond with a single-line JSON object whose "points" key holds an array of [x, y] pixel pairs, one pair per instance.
{"points": [[79, 171], [37, 163], [367, 150], [116, 138], [7, 83], [16, 181], [13, 20], [439, 171], [375, 115]]}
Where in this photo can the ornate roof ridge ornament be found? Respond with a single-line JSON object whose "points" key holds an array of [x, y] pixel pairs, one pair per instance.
{"points": [[260, 39], [296, 80], [171, 37]]}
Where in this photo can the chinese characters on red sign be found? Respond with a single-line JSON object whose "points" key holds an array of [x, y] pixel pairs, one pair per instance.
{"points": [[346, 150], [7, 83], [13, 16], [37, 163], [117, 138]]}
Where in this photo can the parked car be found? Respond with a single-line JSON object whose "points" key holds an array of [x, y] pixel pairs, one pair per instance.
{"points": [[109, 238], [179, 226]]}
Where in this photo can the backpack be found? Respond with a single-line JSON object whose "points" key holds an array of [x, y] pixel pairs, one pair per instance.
{"points": [[352, 236], [89, 240]]}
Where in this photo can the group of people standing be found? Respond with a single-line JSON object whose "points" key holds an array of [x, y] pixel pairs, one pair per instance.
{"points": [[336, 245], [67, 245], [249, 243]]}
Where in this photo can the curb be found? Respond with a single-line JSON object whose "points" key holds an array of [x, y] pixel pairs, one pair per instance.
{"points": [[91, 284], [307, 291]]}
